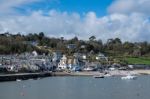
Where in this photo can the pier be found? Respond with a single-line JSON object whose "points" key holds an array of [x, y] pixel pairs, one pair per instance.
{"points": [[23, 76]]}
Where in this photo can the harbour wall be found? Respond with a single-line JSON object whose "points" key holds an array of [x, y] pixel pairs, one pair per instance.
{"points": [[23, 76]]}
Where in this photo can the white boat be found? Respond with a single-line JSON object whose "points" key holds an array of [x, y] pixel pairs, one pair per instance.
{"points": [[128, 77], [107, 75], [98, 76], [18, 79]]}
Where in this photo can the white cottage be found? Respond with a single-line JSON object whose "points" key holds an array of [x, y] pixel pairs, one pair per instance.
{"points": [[63, 62], [101, 56]]}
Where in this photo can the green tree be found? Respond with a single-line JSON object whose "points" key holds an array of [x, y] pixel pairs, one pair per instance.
{"points": [[92, 38]]}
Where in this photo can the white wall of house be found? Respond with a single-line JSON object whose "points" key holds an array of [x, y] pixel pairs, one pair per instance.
{"points": [[84, 56], [63, 63]]}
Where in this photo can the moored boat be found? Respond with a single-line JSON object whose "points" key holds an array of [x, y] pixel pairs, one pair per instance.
{"points": [[18, 79], [98, 76], [107, 75], [128, 77]]}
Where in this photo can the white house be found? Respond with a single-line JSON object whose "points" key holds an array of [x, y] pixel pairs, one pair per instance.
{"points": [[80, 56], [33, 67], [11, 68], [84, 56], [71, 46], [101, 56], [63, 63], [34, 53]]}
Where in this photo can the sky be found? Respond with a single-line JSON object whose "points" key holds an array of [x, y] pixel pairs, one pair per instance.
{"points": [[128, 20]]}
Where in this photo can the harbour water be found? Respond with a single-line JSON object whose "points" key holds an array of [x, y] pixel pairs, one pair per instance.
{"points": [[77, 88]]}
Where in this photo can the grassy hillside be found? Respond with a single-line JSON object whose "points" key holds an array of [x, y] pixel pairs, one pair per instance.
{"points": [[132, 60]]}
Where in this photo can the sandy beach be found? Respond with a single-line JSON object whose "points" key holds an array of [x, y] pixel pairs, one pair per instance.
{"points": [[142, 72], [112, 73]]}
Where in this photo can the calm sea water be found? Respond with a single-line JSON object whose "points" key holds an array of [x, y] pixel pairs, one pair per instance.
{"points": [[77, 88]]}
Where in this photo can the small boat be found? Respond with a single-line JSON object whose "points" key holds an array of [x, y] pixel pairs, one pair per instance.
{"points": [[128, 77], [18, 79], [98, 76], [107, 75]]}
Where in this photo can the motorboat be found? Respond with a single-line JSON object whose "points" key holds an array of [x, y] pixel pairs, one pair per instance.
{"points": [[107, 75], [18, 80], [128, 77], [98, 76]]}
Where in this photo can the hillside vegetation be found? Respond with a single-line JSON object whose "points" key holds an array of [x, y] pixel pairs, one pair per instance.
{"points": [[17, 43]]}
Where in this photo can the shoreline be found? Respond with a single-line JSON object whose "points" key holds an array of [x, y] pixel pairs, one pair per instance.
{"points": [[112, 73], [142, 72], [26, 76]]}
